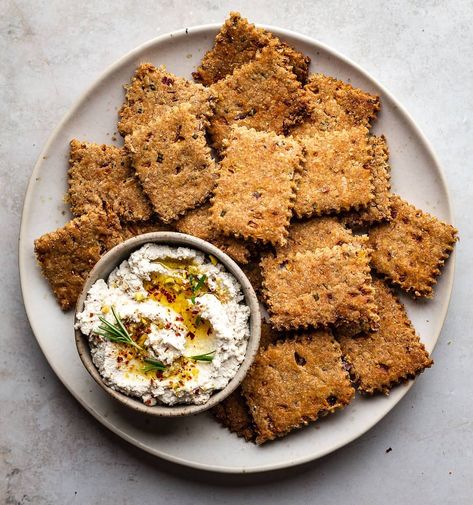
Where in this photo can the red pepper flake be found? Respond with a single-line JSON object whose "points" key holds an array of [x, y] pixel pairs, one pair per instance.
{"points": [[191, 335]]}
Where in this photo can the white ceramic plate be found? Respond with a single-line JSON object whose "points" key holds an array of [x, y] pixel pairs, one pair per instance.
{"points": [[199, 441]]}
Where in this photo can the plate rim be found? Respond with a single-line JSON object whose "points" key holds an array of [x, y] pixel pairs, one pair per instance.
{"points": [[22, 254]]}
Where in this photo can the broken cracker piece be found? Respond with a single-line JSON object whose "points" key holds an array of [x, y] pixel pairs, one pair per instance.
{"points": [[256, 185], [381, 359], [67, 255], [262, 94], [379, 209], [295, 382], [198, 222], [173, 162], [337, 174], [100, 176], [237, 43], [411, 248], [153, 90], [331, 285]]}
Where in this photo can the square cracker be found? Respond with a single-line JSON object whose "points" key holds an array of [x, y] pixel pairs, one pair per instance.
{"points": [[379, 360], [130, 230], [331, 285], [101, 176], [237, 43], [173, 162], [153, 90], [336, 105], [337, 173], [198, 222], [295, 382], [67, 255], [263, 94], [256, 185], [379, 209], [411, 248], [233, 412]]}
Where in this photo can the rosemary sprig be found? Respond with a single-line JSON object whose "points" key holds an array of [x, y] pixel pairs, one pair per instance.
{"points": [[116, 332], [208, 356], [196, 285], [153, 365]]}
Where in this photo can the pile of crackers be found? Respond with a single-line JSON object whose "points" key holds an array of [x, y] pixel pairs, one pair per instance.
{"points": [[279, 169]]}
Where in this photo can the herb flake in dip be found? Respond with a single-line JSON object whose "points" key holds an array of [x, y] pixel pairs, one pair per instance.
{"points": [[169, 326]]}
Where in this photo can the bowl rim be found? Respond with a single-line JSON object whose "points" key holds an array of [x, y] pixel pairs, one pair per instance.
{"points": [[110, 260]]}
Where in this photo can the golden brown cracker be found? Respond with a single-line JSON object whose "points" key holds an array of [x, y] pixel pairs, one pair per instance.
{"points": [[153, 90], [101, 176], [321, 287], [173, 162], [294, 382], [198, 222], [256, 185], [130, 230], [262, 94], [337, 174], [67, 255], [411, 248], [252, 270], [379, 209], [237, 43], [381, 359]]}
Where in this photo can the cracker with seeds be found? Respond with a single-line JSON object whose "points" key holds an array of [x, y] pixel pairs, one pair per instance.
{"points": [[337, 173], [67, 255], [294, 382], [199, 223], [331, 285], [130, 230], [262, 94], [411, 248], [153, 90], [101, 176], [237, 43], [379, 209], [256, 185], [252, 270], [381, 359], [172, 160]]}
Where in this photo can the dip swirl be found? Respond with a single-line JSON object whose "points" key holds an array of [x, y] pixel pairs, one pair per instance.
{"points": [[183, 311]]}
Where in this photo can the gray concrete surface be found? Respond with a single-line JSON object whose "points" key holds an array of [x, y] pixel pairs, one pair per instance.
{"points": [[51, 450]]}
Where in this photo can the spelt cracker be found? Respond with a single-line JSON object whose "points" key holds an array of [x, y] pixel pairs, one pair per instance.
{"points": [[153, 90], [173, 162], [337, 174], [101, 176], [130, 230], [294, 382], [262, 94], [321, 287], [379, 209], [411, 248], [198, 222], [256, 185], [379, 360], [252, 270], [237, 43], [67, 255]]}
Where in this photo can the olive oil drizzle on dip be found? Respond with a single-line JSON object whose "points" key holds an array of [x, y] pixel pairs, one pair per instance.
{"points": [[185, 317]]}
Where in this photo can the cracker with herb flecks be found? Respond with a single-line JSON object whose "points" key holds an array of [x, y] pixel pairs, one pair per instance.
{"points": [[67, 255], [411, 248], [172, 160], [198, 222], [379, 209], [130, 230], [337, 174], [101, 176], [262, 94], [233, 412], [336, 105], [256, 185], [153, 90], [237, 43], [381, 359], [294, 382], [331, 285]]}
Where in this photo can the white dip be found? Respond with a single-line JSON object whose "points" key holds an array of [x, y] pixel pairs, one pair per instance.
{"points": [[176, 304]]}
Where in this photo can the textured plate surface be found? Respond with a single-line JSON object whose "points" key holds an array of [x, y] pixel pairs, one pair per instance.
{"points": [[198, 441]]}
